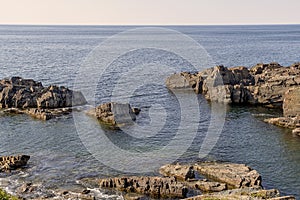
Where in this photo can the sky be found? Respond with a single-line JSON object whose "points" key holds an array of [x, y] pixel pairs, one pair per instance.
{"points": [[149, 12]]}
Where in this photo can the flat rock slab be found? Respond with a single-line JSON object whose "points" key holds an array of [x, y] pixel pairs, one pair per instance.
{"points": [[234, 175]]}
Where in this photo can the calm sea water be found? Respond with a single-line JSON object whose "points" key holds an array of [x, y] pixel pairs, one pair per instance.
{"points": [[54, 54]]}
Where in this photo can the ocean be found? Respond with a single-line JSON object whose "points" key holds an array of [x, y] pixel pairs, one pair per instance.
{"points": [[72, 147]]}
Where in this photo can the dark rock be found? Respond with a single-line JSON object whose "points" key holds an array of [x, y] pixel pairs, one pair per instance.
{"points": [[13, 162], [17, 92], [85, 191], [136, 111], [32, 97]]}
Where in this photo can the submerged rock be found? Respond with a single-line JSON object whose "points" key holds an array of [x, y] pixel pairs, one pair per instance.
{"points": [[115, 114], [13, 162], [32, 98]]}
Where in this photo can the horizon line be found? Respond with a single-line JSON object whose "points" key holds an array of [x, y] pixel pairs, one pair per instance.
{"points": [[71, 24]]}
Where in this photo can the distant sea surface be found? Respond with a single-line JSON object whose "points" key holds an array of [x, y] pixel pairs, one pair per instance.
{"points": [[54, 55]]}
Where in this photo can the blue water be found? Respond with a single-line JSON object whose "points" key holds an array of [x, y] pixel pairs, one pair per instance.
{"points": [[54, 55]]}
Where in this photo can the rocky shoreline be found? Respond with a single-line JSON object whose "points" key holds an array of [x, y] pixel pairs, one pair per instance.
{"points": [[270, 85], [181, 181], [205, 180]]}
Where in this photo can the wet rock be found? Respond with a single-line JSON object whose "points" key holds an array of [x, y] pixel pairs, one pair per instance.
{"points": [[86, 191], [136, 111], [235, 175], [115, 114], [13, 162], [156, 187], [26, 188]]}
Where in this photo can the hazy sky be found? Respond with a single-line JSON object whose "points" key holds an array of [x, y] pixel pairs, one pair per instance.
{"points": [[155, 12]]}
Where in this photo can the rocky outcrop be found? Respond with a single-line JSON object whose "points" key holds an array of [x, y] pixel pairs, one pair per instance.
{"points": [[233, 175], [13, 162], [156, 187], [263, 84], [115, 114], [221, 181], [291, 111], [33, 98]]}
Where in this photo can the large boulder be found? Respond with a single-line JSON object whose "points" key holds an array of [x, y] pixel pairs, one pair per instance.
{"points": [[13, 162], [115, 114]]}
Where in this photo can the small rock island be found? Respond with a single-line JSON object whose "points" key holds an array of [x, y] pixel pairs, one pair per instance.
{"points": [[18, 95]]}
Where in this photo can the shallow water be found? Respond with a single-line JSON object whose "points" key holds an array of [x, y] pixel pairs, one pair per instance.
{"points": [[59, 157]]}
